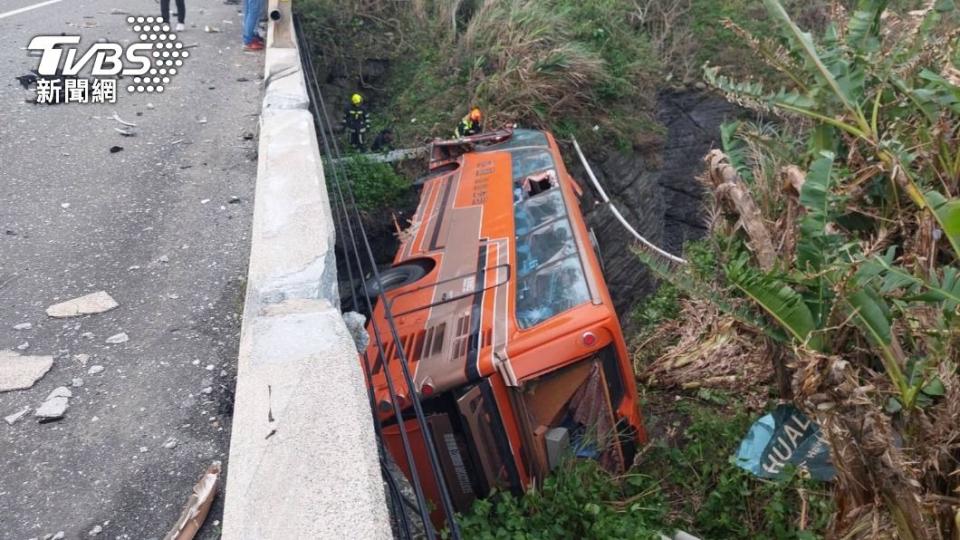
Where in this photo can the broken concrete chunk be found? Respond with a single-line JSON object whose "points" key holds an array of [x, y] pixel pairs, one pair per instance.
{"points": [[55, 406], [11, 419], [19, 372], [97, 302], [60, 391], [115, 339]]}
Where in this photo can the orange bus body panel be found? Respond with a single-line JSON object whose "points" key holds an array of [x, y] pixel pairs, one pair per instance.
{"points": [[459, 326]]}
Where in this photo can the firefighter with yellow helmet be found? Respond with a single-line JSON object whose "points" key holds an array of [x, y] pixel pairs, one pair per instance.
{"points": [[356, 120]]}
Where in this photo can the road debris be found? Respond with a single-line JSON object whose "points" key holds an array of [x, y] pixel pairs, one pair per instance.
{"points": [[211, 29], [23, 346], [150, 106], [234, 200], [95, 370], [27, 80], [122, 121], [201, 119], [115, 149], [76, 382], [126, 132], [97, 529], [198, 505], [23, 326], [97, 302], [20, 372], [82, 358], [12, 419], [116, 339], [170, 443], [55, 406]]}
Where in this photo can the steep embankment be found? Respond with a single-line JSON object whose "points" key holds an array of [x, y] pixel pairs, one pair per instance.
{"points": [[659, 193]]}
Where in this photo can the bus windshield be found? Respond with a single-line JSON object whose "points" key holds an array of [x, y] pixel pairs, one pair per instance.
{"points": [[550, 277]]}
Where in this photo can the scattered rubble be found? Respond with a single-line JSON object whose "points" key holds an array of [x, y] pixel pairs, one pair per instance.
{"points": [[76, 382], [55, 406], [23, 346], [116, 339], [97, 302], [82, 358], [170, 443], [18, 372], [94, 370], [95, 530], [23, 326], [12, 419]]}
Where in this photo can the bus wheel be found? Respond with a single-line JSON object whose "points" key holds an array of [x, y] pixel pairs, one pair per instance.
{"points": [[391, 278]]}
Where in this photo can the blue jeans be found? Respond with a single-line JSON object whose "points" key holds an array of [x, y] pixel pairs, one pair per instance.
{"points": [[251, 16]]}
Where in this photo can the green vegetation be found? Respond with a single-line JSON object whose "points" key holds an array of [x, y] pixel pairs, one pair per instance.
{"points": [[561, 64], [713, 498], [860, 294], [580, 500], [686, 482], [375, 185]]}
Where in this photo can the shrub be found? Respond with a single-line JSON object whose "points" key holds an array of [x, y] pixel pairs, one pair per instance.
{"points": [[579, 500], [375, 185]]}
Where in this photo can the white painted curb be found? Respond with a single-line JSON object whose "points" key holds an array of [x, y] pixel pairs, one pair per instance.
{"points": [[303, 457]]}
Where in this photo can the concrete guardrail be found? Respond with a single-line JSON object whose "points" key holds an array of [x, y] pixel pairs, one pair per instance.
{"points": [[303, 457]]}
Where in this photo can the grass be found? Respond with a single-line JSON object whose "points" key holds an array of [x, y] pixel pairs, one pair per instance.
{"points": [[684, 480], [568, 66], [712, 498]]}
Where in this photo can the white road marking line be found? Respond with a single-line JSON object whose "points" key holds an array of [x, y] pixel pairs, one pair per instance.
{"points": [[28, 8]]}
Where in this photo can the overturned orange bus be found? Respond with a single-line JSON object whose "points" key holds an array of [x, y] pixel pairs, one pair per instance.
{"points": [[511, 337]]}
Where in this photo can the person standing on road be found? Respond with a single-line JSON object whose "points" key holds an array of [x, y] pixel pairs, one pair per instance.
{"points": [[357, 120], [251, 16], [181, 13]]}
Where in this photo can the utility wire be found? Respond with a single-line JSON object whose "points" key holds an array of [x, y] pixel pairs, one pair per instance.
{"points": [[341, 187]]}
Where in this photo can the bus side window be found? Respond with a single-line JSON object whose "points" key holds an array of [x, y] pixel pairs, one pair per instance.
{"points": [[538, 183]]}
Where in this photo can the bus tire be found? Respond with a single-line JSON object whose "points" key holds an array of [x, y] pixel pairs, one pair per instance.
{"points": [[395, 277]]}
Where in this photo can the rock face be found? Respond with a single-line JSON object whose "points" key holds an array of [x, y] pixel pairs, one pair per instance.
{"points": [[660, 195]]}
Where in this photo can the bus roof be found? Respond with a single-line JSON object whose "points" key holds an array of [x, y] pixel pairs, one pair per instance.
{"points": [[512, 266]]}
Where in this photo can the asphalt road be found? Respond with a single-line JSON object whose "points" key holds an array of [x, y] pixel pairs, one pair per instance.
{"points": [[153, 226]]}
